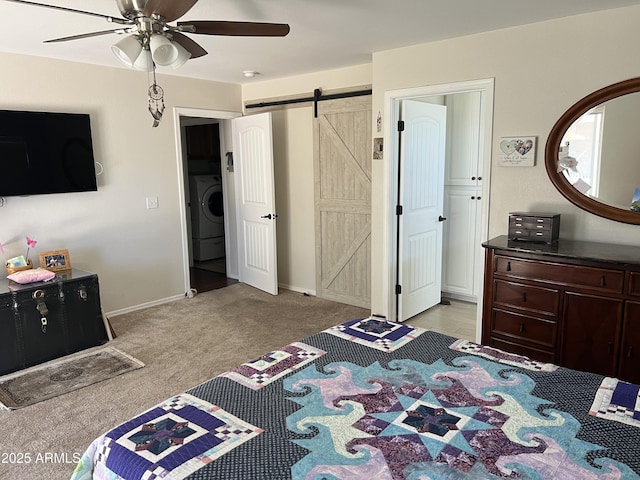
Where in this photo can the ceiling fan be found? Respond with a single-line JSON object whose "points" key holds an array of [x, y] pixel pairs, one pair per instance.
{"points": [[148, 18], [151, 41]]}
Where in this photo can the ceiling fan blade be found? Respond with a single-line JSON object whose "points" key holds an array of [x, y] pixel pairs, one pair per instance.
{"points": [[192, 47], [239, 29], [85, 35], [169, 9], [108, 18]]}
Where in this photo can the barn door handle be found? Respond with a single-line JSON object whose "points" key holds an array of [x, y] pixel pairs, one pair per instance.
{"points": [[441, 218]]}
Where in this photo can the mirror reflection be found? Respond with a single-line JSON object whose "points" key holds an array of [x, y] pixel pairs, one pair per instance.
{"points": [[600, 153]]}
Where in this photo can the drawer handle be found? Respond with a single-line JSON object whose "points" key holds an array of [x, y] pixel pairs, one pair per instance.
{"points": [[630, 352], [539, 226], [602, 282], [509, 263], [539, 220], [521, 327], [524, 296], [539, 234]]}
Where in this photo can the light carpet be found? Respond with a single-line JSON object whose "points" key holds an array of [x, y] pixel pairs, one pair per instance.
{"points": [[182, 344]]}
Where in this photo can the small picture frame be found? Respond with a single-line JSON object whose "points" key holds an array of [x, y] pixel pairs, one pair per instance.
{"points": [[517, 151], [55, 260]]}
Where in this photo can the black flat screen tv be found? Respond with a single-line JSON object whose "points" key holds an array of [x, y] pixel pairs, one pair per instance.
{"points": [[44, 152]]}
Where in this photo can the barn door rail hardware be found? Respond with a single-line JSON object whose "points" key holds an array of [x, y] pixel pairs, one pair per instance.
{"points": [[317, 97]]}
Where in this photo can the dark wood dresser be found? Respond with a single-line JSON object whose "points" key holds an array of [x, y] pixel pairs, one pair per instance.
{"points": [[573, 303], [41, 321]]}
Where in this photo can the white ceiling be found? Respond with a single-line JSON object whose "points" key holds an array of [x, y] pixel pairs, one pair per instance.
{"points": [[325, 34]]}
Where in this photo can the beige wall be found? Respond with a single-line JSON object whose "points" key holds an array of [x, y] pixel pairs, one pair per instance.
{"points": [[137, 253], [540, 70]]}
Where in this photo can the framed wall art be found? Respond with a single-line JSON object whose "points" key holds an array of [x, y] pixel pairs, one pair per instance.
{"points": [[517, 151]]}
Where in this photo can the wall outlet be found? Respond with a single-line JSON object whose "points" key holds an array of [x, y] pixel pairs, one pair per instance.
{"points": [[152, 202]]}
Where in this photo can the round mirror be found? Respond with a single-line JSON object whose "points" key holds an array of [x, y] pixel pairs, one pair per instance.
{"points": [[592, 154]]}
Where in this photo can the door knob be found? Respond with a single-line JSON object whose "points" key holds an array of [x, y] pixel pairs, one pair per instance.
{"points": [[441, 218], [268, 216]]}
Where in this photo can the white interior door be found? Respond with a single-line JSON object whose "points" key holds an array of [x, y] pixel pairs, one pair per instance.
{"points": [[255, 201], [422, 158]]}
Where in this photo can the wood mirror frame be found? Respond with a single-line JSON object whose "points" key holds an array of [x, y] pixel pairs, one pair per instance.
{"points": [[553, 148]]}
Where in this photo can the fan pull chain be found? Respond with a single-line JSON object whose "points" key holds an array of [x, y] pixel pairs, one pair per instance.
{"points": [[156, 100]]}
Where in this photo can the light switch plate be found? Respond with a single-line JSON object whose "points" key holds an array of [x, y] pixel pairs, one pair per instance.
{"points": [[152, 202]]}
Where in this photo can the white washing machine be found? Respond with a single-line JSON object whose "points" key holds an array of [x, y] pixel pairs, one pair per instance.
{"points": [[207, 216]]}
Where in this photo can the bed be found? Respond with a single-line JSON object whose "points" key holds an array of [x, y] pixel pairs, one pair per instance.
{"points": [[381, 400]]}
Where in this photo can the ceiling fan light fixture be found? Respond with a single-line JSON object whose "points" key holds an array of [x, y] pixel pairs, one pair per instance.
{"points": [[144, 61], [127, 50], [162, 50], [183, 56]]}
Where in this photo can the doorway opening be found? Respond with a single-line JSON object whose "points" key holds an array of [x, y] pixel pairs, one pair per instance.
{"points": [[209, 248], [393, 112]]}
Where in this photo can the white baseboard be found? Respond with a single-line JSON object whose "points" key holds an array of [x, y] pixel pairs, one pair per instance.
{"points": [[460, 296], [293, 288], [134, 308]]}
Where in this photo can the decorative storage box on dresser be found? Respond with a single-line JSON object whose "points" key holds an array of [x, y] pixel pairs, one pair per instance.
{"points": [[576, 304], [45, 320], [534, 227]]}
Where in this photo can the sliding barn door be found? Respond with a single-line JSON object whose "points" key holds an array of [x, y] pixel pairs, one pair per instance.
{"points": [[342, 164]]}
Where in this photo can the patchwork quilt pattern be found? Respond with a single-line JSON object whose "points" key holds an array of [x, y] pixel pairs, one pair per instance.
{"points": [[435, 421], [372, 399], [172, 440], [501, 356], [376, 333], [618, 401], [274, 365]]}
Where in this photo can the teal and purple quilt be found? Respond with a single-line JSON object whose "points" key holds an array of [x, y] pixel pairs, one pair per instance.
{"points": [[372, 399]]}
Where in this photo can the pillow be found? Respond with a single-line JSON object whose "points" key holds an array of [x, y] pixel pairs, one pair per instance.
{"points": [[32, 275]]}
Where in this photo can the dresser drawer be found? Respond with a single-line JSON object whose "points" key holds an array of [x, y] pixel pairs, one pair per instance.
{"points": [[532, 353], [597, 279], [524, 328], [530, 223], [526, 297], [634, 284], [531, 234]]}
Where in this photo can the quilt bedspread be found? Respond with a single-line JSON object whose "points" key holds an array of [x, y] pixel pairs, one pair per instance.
{"points": [[379, 400]]}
